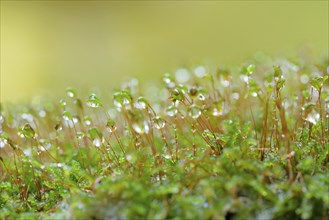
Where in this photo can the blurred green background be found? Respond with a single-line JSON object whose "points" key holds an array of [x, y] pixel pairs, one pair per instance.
{"points": [[48, 45]]}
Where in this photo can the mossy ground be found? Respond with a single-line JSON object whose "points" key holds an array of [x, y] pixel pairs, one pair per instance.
{"points": [[227, 144]]}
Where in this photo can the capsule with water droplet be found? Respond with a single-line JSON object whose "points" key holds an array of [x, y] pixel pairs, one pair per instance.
{"points": [[93, 101], [171, 110], [70, 92], [194, 111], [110, 126], [67, 116], [27, 131], [141, 103], [62, 103], [80, 135], [159, 122], [141, 127]]}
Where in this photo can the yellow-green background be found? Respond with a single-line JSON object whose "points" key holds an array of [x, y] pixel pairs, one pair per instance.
{"points": [[48, 45]]}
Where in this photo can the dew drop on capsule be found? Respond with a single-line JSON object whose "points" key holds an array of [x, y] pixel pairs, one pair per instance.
{"points": [[80, 135], [141, 103], [67, 116], [141, 128], [97, 142], [27, 131], [171, 111], [70, 92], [159, 122], [62, 102], [87, 120], [110, 126], [194, 112], [93, 101]]}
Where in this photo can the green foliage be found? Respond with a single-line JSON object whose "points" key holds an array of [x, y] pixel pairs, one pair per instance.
{"points": [[252, 144]]}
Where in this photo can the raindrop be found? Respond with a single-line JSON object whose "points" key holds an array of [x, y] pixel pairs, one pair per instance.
{"points": [[182, 75], [250, 69], [62, 103], [27, 131], [171, 111], [59, 165], [97, 142], [177, 95], [313, 117], [80, 135], [121, 99], [70, 92], [93, 101], [141, 103], [141, 128], [42, 113], [254, 94], [235, 95], [194, 111], [203, 94], [200, 71], [304, 79], [3, 142], [110, 126], [87, 120], [159, 122], [168, 80], [67, 116], [225, 82], [216, 112]]}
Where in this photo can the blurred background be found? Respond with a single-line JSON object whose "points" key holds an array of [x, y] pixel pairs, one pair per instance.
{"points": [[48, 45]]}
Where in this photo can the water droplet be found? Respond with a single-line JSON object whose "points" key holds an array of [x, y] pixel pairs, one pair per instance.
{"points": [[3, 142], [171, 111], [67, 116], [93, 101], [182, 75], [80, 135], [250, 69], [110, 126], [70, 92], [97, 142], [87, 120], [62, 103], [121, 99], [313, 117], [141, 103], [177, 95], [304, 79], [59, 165], [254, 94], [42, 113], [200, 71], [203, 94], [235, 95], [216, 111], [27, 117], [159, 122], [141, 127], [26, 131], [168, 80], [194, 111], [225, 83]]}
